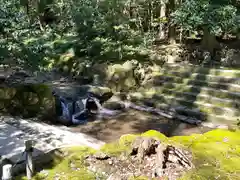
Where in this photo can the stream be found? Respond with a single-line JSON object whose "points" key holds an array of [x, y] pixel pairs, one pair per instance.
{"points": [[108, 125]]}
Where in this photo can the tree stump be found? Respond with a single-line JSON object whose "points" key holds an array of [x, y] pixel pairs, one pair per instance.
{"points": [[144, 146]]}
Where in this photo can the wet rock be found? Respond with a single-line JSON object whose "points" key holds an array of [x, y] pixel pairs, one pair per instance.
{"points": [[101, 93], [114, 103], [16, 77], [75, 92]]}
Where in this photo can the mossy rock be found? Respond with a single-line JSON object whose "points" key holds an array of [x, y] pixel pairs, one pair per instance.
{"points": [[65, 62], [216, 155], [27, 100], [121, 77]]}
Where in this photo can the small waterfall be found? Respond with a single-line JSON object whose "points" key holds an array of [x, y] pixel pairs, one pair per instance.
{"points": [[80, 115], [77, 112], [66, 113]]}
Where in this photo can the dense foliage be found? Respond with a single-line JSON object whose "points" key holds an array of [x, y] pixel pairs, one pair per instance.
{"points": [[37, 33], [218, 16]]}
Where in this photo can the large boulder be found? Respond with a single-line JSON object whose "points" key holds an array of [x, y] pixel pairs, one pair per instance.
{"points": [[115, 102], [126, 76], [119, 77]]}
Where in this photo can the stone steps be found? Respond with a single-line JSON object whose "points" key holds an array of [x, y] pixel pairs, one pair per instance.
{"points": [[201, 77], [199, 110], [195, 96], [233, 73], [165, 101], [223, 94], [164, 79], [198, 92]]}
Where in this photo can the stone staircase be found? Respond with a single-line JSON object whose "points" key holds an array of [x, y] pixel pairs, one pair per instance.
{"points": [[205, 94]]}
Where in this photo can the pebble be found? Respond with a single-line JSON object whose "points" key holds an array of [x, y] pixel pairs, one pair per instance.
{"points": [[44, 173], [110, 162]]}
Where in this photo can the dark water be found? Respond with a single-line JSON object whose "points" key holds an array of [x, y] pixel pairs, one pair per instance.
{"points": [[108, 125], [110, 128]]}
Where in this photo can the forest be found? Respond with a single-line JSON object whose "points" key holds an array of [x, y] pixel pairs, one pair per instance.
{"points": [[120, 89], [35, 34]]}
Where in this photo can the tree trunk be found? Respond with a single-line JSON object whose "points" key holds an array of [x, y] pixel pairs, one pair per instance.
{"points": [[172, 28], [172, 35], [181, 29], [162, 34], [209, 42]]}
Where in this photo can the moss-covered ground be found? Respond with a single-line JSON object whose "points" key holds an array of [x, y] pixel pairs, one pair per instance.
{"points": [[216, 156]]}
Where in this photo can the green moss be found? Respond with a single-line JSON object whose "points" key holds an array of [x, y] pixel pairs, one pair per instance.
{"points": [[139, 178], [216, 154], [155, 134], [122, 145], [62, 167], [7, 93], [27, 99]]}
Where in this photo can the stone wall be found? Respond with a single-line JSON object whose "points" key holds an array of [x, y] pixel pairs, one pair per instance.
{"points": [[27, 100]]}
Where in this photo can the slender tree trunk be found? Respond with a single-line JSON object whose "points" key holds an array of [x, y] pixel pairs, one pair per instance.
{"points": [[181, 35], [172, 28], [162, 34], [181, 29]]}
